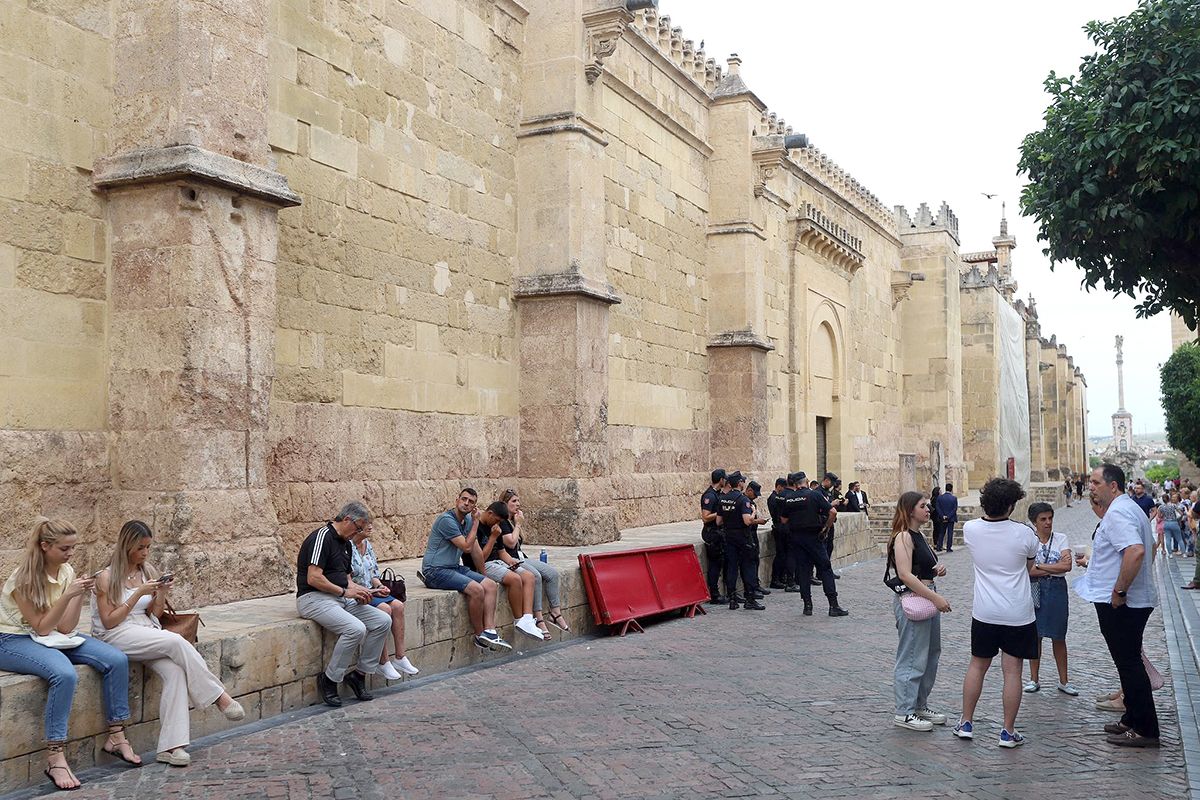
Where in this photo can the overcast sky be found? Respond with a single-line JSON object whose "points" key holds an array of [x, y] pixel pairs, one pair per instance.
{"points": [[929, 101]]}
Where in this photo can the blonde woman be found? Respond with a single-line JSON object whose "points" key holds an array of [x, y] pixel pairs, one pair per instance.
{"points": [[920, 644], [129, 596], [43, 596]]}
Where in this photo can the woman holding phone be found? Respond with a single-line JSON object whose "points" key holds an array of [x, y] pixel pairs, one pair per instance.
{"points": [[129, 596], [44, 596]]}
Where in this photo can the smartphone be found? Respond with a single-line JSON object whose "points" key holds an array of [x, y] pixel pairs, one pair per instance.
{"points": [[167, 578]]}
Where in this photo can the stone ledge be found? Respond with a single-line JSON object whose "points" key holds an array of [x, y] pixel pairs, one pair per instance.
{"points": [[187, 161], [745, 338], [559, 284], [268, 658]]}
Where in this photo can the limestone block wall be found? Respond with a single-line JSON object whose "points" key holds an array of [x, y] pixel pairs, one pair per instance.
{"points": [[981, 382], [56, 104], [396, 359]]}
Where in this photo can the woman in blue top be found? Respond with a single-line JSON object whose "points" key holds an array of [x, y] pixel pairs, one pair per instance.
{"points": [[364, 570]]}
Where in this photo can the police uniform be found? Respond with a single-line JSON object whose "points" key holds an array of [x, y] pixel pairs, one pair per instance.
{"points": [[739, 555], [781, 568], [714, 544], [831, 495], [805, 509]]}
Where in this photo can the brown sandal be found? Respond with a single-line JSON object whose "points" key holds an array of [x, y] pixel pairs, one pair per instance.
{"points": [[113, 747], [49, 771]]}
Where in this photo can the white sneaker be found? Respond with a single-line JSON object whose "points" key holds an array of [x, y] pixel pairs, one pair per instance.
{"points": [[388, 671], [1068, 688], [912, 722], [1032, 687], [929, 715], [405, 666], [527, 626]]}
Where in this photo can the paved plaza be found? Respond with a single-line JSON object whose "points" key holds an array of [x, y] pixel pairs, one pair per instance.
{"points": [[734, 704]]}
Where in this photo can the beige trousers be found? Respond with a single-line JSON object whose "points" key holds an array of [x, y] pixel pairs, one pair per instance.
{"points": [[180, 668]]}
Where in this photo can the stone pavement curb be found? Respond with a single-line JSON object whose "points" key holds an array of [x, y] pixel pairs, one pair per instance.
{"points": [[1182, 628]]}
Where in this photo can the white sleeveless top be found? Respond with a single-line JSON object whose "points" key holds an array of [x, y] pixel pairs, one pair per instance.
{"points": [[137, 616]]}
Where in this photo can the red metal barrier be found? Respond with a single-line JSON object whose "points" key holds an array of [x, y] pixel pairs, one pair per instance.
{"points": [[624, 585]]}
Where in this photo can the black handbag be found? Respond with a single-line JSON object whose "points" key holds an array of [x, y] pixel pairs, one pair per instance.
{"points": [[395, 584], [893, 582]]}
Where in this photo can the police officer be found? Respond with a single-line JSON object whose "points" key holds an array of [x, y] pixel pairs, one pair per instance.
{"points": [[831, 487], [736, 515], [754, 491], [780, 575], [804, 511], [714, 543]]}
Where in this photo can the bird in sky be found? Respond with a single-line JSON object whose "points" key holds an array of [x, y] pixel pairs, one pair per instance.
{"points": [[988, 196]]}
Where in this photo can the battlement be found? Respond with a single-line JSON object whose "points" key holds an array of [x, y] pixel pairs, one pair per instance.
{"points": [[682, 52], [924, 219], [826, 170], [976, 279]]}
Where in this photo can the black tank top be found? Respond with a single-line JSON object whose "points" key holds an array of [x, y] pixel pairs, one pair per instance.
{"points": [[923, 557]]}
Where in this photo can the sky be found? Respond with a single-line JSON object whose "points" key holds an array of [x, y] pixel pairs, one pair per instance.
{"points": [[929, 101]]}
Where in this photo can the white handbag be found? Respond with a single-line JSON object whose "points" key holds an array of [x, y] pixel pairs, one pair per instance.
{"points": [[59, 640]]}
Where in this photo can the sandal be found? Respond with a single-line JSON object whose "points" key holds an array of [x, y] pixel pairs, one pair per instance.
{"points": [[49, 771], [558, 621], [541, 626], [113, 747]]}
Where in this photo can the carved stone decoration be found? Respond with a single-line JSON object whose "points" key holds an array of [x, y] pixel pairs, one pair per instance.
{"points": [[604, 30], [767, 161], [837, 245], [902, 281]]}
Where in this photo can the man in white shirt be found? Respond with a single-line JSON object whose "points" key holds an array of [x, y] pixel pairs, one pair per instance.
{"points": [[1002, 615], [1120, 584]]}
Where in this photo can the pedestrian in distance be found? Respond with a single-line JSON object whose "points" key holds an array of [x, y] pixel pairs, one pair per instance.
{"points": [[1119, 582], [1002, 614], [920, 641], [781, 564], [939, 529], [947, 509], [1048, 586]]}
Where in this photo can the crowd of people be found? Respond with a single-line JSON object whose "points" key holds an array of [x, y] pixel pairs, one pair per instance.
{"points": [[1020, 598]]}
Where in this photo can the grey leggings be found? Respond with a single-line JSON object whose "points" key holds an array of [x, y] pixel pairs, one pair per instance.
{"points": [[543, 575]]}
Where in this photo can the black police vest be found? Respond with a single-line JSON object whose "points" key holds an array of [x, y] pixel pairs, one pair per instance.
{"points": [[803, 511], [729, 504]]}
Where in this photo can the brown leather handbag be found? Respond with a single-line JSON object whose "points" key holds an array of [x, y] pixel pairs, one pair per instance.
{"points": [[186, 624]]}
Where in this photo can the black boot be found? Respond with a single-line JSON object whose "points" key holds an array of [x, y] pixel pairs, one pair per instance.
{"points": [[328, 690], [735, 602], [795, 587], [358, 684], [816, 581], [716, 598], [753, 605], [835, 610], [778, 585], [761, 592], [808, 608]]}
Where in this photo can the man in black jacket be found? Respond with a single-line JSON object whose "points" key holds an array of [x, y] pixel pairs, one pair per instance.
{"points": [[780, 566], [714, 539]]}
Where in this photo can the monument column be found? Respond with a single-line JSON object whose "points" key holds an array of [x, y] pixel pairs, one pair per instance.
{"points": [[562, 292], [737, 349], [192, 199]]}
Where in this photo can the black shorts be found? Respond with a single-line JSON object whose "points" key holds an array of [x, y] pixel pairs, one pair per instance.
{"points": [[1019, 641]]}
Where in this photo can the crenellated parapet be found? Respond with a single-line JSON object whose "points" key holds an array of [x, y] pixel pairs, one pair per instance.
{"points": [[824, 169], [670, 41], [974, 278], [924, 219]]}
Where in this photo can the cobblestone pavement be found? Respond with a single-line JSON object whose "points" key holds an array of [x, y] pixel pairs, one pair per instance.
{"points": [[735, 704]]}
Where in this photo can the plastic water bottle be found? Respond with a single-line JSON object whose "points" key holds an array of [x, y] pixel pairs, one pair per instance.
{"points": [[543, 556]]}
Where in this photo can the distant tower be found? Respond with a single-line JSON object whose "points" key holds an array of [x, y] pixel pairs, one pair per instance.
{"points": [[1122, 420], [1005, 244]]}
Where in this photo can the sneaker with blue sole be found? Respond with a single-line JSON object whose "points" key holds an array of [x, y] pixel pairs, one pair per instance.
{"points": [[964, 730], [1013, 739]]}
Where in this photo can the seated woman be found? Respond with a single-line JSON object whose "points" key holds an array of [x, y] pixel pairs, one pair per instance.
{"points": [[42, 596], [545, 575], [491, 559], [129, 596], [364, 570]]}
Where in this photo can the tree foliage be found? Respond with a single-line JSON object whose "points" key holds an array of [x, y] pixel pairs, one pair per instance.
{"points": [[1180, 379], [1114, 177], [1162, 472]]}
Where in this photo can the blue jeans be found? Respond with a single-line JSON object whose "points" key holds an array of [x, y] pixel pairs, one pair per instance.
{"points": [[917, 657], [21, 654], [456, 578], [1173, 535]]}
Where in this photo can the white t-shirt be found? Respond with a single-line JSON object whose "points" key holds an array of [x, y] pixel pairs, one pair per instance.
{"points": [[1051, 551], [1001, 551]]}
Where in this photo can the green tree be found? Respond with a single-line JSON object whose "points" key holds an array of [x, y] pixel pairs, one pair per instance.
{"points": [[1161, 472], [1114, 177], [1180, 380]]}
